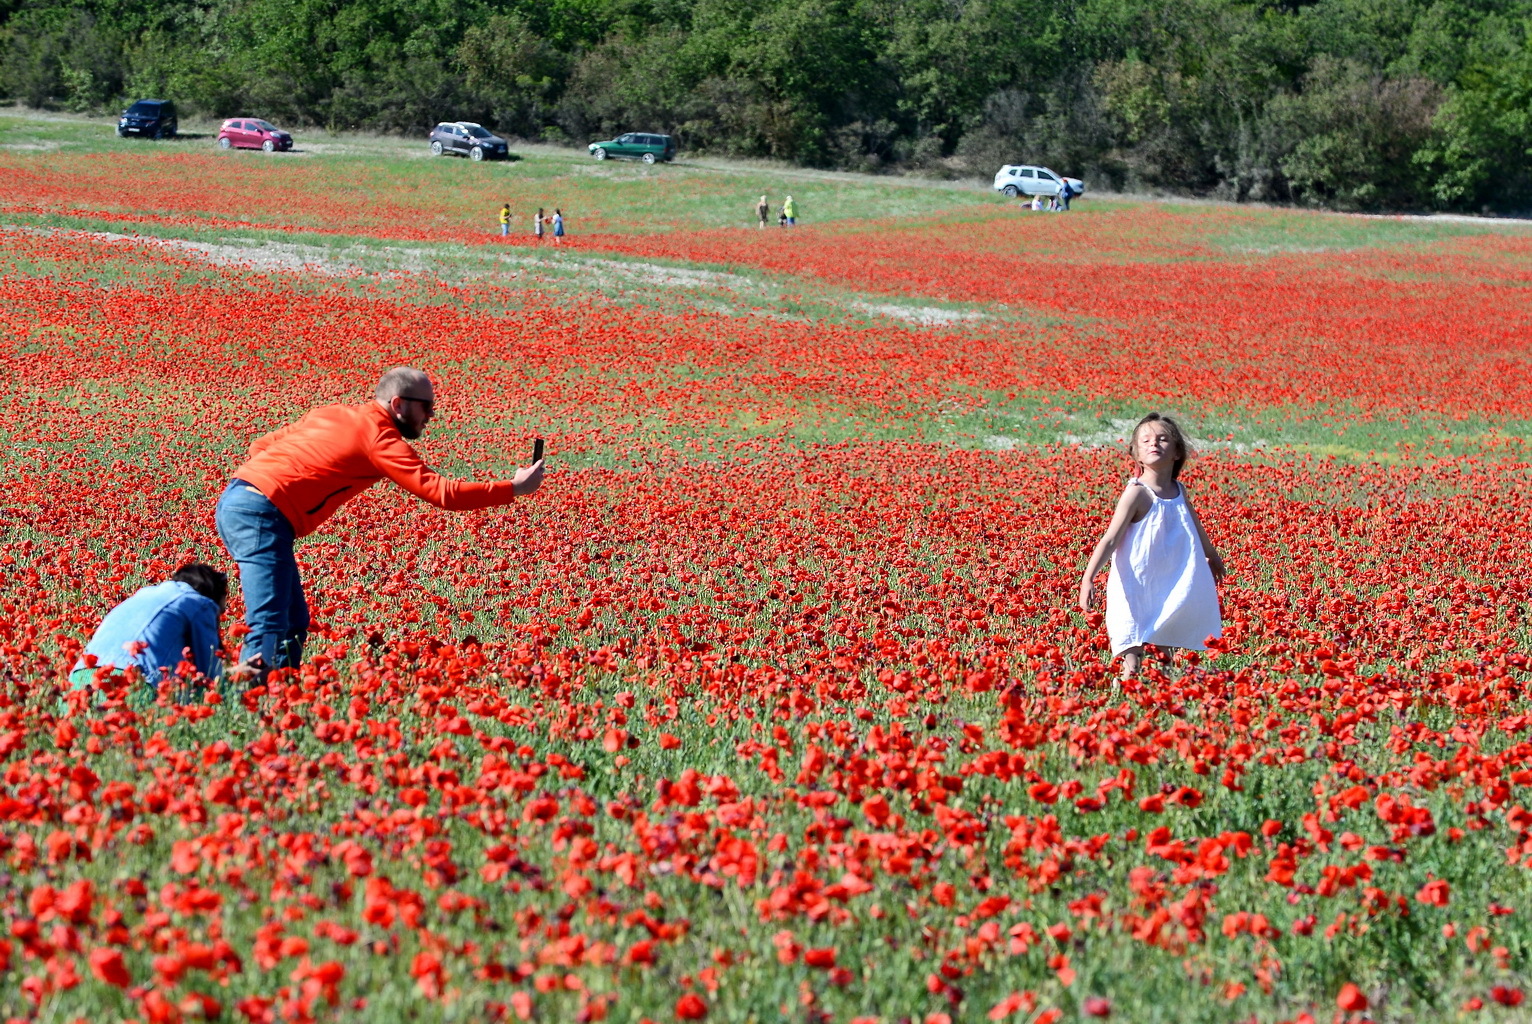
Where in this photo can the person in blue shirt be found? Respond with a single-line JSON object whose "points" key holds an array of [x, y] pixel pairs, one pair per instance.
{"points": [[159, 627]]}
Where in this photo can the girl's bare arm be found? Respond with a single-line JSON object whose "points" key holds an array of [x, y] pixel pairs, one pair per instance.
{"points": [[1215, 560], [1130, 508]]}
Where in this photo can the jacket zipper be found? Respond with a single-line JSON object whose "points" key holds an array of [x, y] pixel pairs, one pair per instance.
{"points": [[326, 501]]}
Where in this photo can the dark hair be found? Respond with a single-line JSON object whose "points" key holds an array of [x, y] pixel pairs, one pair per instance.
{"points": [[205, 580], [1183, 450]]}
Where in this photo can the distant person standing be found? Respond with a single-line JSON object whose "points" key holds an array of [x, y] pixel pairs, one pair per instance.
{"points": [[537, 224], [762, 211], [558, 225], [505, 220], [789, 212], [1065, 192]]}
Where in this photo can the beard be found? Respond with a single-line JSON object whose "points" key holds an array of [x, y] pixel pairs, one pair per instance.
{"points": [[410, 433]]}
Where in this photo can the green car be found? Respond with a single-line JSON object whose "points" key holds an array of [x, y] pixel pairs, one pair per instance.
{"points": [[636, 146]]}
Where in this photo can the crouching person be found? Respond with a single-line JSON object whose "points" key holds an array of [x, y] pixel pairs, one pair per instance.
{"points": [[160, 627]]}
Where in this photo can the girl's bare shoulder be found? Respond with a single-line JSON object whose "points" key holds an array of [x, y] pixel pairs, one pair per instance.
{"points": [[1134, 495]]}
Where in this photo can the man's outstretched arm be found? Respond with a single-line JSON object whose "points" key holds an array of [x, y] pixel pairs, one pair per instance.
{"points": [[397, 461]]}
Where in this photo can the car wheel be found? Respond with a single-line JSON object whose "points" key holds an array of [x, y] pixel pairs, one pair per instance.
{"points": [[436, 149], [648, 158], [269, 146], [1011, 191], [224, 143], [476, 154], [600, 153]]}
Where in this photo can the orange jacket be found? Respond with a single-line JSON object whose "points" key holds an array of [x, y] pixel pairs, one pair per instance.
{"points": [[310, 468]]}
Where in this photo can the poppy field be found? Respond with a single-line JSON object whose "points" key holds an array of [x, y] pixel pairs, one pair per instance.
{"points": [[773, 702]]}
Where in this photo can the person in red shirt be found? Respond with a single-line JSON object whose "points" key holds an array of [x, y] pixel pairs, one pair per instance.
{"points": [[297, 477]]}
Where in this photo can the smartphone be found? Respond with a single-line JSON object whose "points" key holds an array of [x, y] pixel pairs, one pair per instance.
{"points": [[537, 451]]}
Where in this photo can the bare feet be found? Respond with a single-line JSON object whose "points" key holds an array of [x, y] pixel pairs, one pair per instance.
{"points": [[1131, 659]]}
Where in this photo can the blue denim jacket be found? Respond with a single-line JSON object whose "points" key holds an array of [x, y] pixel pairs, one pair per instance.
{"points": [[167, 618]]}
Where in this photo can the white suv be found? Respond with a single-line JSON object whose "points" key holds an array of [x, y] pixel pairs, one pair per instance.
{"points": [[1028, 180]]}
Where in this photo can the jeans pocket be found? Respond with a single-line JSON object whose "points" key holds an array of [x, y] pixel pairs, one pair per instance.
{"points": [[252, 528]]}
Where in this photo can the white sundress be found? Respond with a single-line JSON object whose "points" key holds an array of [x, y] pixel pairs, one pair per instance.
{"points": [[1161, 590]]}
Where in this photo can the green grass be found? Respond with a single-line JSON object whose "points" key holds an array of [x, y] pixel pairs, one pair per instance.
{"points": [[1262, 232], [1354, 433]]}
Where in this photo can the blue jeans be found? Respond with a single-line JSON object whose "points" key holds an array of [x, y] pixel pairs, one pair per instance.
{"points": [[260, 538]]}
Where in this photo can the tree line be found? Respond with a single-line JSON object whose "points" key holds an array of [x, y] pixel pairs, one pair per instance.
{"points": [[1359, 104]]}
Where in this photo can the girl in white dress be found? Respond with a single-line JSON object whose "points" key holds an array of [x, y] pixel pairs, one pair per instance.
{"points": [[1161, 589]]}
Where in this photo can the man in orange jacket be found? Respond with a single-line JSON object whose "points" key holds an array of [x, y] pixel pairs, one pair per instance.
{"points": [[297, 477]]}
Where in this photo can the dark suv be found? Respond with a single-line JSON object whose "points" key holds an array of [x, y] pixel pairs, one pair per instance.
{"points": [[465, 138], [636, 146], [149, 119]]}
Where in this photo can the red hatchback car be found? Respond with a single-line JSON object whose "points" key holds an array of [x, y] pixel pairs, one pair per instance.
{"points": [[252, 133]]}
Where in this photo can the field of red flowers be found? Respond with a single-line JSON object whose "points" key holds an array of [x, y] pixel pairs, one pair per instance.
{"points": [[773, 702]]}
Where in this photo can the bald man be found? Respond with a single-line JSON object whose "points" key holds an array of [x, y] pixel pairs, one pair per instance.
{"points": [[299, 476]]}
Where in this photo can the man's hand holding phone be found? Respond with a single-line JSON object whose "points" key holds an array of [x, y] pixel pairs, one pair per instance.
{"points": [[530, 479]]}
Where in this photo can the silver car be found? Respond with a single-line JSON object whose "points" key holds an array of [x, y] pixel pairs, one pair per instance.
{"points": [[1031, 180]]}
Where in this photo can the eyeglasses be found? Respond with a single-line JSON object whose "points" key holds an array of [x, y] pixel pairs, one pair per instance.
{"points": [[428, 403]]}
